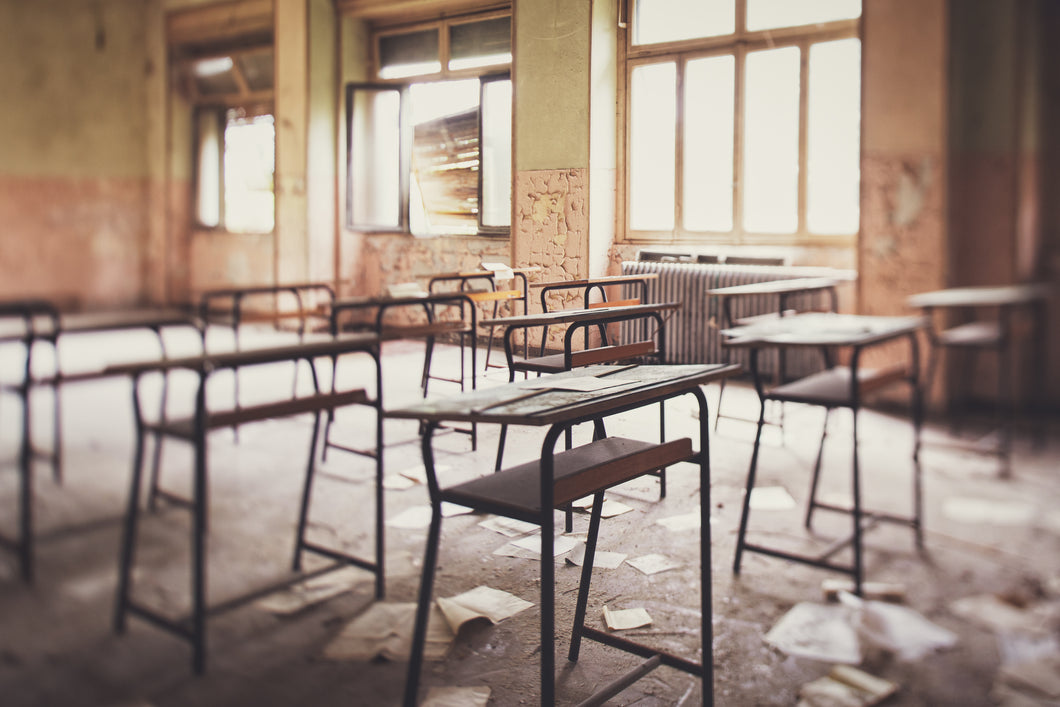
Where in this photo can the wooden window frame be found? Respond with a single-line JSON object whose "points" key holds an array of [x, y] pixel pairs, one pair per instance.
{"points": [[738, 44]]}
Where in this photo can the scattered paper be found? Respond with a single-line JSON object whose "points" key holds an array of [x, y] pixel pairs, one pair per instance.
{"points": [[897, 629], [683, 522], [845, 686], [817, 631], [501, 272], [990, 612], [653, 564], [385, 630], [624, 619], [601, 559], [1021, 647], [457, 697], [480, 602], [884, 591], [771, 498], [509, 526], [610, 509], [311, 591], [986, 510], [560, 544]]}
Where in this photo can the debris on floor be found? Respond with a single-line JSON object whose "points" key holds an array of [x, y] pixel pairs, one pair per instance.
{"points": [[845, 686], [771, 498], [624, 619], [988, 510], [653, 564], [480, 602], [457, 697], [312, 591], [601, 559], [385, 630], [880, 591]]}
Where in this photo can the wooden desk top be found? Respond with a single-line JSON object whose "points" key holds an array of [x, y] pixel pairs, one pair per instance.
{"points": [[125, 319], [319, 346], [981, 296], [526, 403], [479, 273], [777, 287], [822, 329], [603, 280], [364, 301], [570, 316], [237, 290]]}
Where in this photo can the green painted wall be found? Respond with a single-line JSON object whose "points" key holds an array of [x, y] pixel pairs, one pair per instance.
{"points": [[552, 80]]}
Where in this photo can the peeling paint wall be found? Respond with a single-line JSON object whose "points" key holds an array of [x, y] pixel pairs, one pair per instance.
{"points": [[74, 183]]}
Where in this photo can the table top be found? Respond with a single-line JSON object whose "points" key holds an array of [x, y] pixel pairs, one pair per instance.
{"points": [[822, 329], [235, 290], [316, 346], [771, 287], [567, 396], [570, 316], [480, 273], [602, 280], [981, 296], [44, 320]]}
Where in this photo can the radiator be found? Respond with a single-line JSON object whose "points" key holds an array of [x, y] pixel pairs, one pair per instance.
{"points": [[692, 333]]}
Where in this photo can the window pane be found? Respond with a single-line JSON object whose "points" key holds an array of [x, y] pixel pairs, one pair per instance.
{"points": [[834, 133], [208, 162], [486, 43], [497, 153], [672, 20], [409, 54], [708, 157], [445, 157], [374, 176], [249, 164], [769, 14], [771, 141], [652, 135]]}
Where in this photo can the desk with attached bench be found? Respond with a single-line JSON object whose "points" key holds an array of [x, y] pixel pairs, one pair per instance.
{"points": [[530, 492]]}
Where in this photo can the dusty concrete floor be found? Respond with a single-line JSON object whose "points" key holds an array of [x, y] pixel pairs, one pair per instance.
{"points": [[57, 647]]}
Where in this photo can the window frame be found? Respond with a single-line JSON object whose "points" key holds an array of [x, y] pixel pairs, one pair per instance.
{"points": [[484, 74], [738, 44]]}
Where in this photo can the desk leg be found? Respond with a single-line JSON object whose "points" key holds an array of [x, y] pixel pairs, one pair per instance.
{"points": [[132, 515], [423, 606]]}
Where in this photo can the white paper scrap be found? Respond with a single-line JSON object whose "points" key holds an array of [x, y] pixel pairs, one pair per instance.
{"points": [[561, 544], [653, 564], [601, 559], [480, 602], [683, 522], [385, 629], [817, 631], [508, 526], [771, 498], [311, 591], [624, 619], [457, 697]]}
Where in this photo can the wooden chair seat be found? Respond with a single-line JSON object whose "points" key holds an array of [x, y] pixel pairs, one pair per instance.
{"points": [[516, 492], [831, 388]]}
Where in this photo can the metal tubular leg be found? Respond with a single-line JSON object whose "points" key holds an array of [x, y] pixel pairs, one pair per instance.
{"points": [[500, 447], [25, 472], [132, 514], [423, 606], [811, 505], [856, 486], [587, 573], [662, 438], [747, 493], [307, 490]]}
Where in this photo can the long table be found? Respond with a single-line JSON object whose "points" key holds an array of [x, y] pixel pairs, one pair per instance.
{"points": [[837, 386], [32, 323], [530, 492], [194, 431]]}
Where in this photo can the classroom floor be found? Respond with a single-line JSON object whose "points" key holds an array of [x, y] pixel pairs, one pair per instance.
{"points": [[985, 537]]}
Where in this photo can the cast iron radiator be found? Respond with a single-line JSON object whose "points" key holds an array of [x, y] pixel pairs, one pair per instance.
{"points": [[692, 333]]}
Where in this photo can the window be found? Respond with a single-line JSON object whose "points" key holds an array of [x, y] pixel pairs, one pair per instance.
{"points": [[429, 145], [743, 120], [235, 139]]}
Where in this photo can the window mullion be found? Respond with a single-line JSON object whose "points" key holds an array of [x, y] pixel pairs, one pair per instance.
{"points": [[804, 114], [737, 143], [679, 148]]}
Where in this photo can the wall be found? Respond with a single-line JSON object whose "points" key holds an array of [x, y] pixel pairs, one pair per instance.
{"points": [[550, 194], [74, 180]]}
